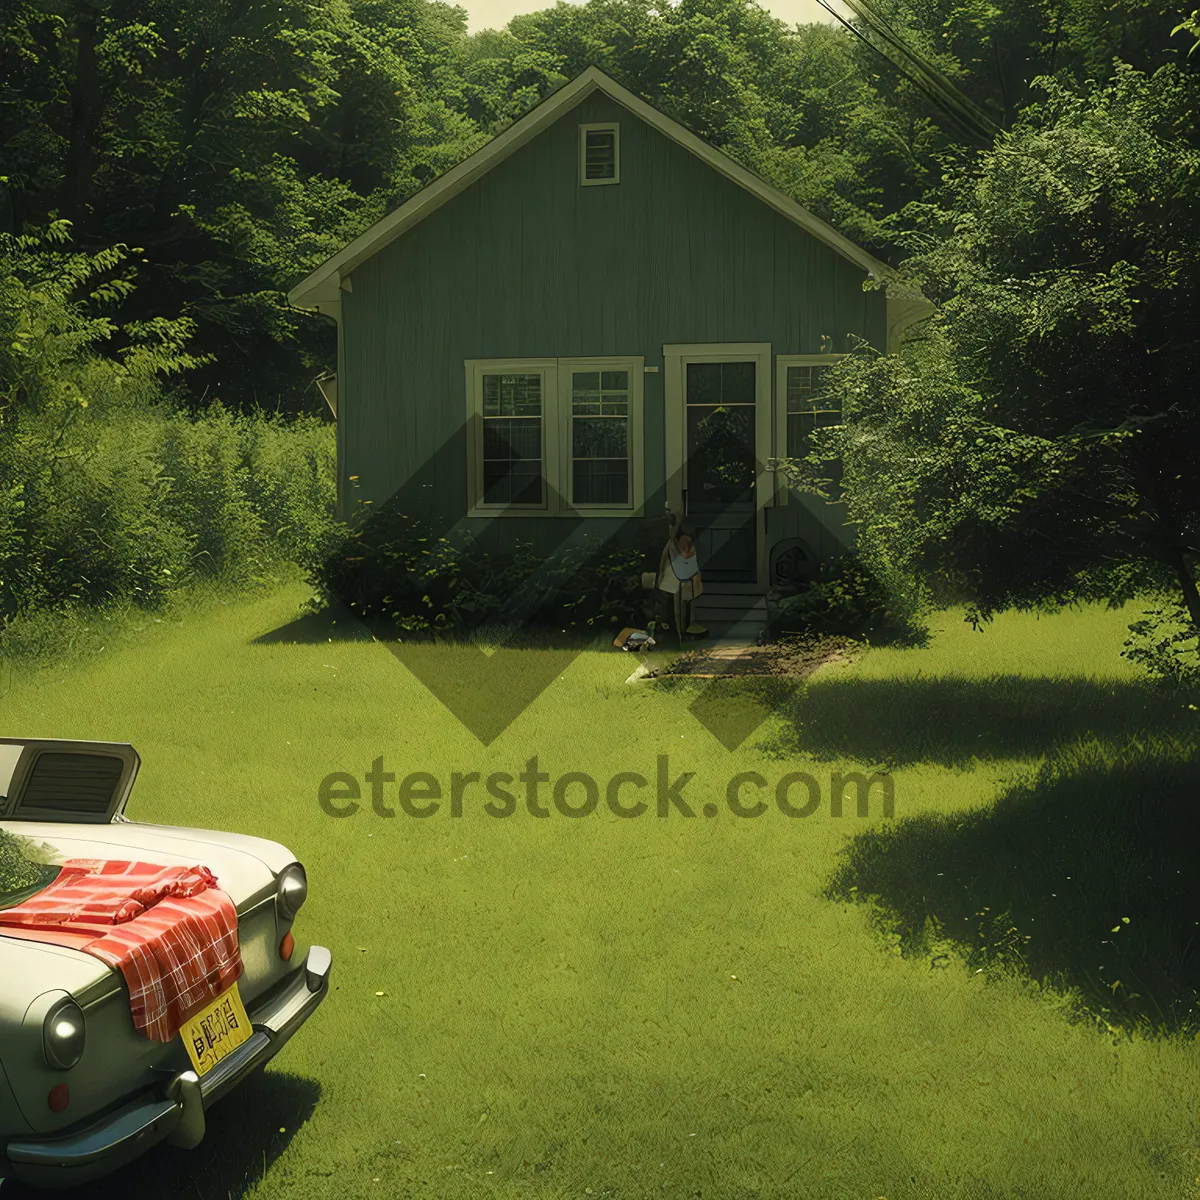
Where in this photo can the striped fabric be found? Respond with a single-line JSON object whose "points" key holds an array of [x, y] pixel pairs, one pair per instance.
{"points": [[170, 931]]}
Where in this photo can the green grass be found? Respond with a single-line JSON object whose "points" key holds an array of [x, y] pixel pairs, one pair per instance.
{"points": [[705, 1007]]}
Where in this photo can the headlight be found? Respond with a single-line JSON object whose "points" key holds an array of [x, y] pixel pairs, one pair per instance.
{"points": [[292, 891], [63, 1035]]}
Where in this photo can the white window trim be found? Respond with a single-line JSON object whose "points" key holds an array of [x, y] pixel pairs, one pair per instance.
{"points": [[782, 362], [556, 434], [607, 126]]}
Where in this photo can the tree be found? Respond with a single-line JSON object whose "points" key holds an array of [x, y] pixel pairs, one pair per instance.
{"points": [[240, 142], [1040, 442]]}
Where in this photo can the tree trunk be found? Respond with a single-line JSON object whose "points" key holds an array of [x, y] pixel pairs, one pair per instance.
{"points": [[1058, 25], [1191, 595], [85, 110], [170, 189]]}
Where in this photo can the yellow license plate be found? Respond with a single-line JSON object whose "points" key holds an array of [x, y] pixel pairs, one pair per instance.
{"points": [[216, 1031]]}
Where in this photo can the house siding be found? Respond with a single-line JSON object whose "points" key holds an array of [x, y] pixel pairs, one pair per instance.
{"points": [[527, 263]]}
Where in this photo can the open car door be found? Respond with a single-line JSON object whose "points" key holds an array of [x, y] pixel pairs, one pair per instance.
{"points": [[52, 779]]}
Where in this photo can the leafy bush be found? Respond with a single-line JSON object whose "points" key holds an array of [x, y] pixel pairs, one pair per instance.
{"points": [[399, 568], [847, 598], [135, 504], [1163, 643], [290, 481]]}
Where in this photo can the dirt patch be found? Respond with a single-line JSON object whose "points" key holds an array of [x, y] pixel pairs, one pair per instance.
{"points": [[792, 657]]}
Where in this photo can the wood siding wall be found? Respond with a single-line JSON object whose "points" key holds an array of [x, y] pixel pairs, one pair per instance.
{"points": [[527, 263]]}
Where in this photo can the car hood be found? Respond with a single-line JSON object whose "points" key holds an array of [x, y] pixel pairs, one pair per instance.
{"points": [[243, 866]]}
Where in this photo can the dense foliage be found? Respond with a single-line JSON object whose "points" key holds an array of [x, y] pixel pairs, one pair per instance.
{"points": [[241, 142], [108, 489], [845, 597], [234, 142], [1040, 441], [406, 572]]}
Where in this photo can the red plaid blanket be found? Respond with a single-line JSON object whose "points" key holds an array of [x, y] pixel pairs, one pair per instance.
{"points": [[170, 930]]}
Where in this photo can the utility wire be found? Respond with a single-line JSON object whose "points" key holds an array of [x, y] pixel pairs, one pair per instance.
{"points": [[947, 98]]}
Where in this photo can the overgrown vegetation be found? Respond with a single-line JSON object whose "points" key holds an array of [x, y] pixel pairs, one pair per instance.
{"points": [[845, 597], [109, 488], [404, 571]]}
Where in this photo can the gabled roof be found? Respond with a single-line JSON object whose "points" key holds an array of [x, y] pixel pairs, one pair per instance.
{"points": [[321, 289]]}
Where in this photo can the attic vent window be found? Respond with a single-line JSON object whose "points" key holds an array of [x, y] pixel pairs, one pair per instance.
{"points": [[599, 154]]}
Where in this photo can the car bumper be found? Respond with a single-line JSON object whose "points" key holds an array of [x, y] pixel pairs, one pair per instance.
{"points": [[178, 1115]]}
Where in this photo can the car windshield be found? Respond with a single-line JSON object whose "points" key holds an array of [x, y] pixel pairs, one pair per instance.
{"points": [[25, 868]]}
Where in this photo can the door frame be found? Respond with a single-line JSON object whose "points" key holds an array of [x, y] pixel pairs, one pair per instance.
{"points": [[675, 357]]}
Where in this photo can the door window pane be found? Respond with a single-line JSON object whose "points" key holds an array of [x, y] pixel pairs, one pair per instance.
{"points": [[720, 454], [721, 461]]}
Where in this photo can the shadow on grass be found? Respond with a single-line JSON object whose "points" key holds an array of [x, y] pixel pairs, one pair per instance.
{"points": [[1085, 877], [247, 1131], [952, 721], [338, 623]]}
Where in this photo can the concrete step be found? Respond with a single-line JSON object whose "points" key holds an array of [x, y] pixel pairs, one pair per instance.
{"points": [[731, 609], [723, 587], [717, 600], [745, 632]]}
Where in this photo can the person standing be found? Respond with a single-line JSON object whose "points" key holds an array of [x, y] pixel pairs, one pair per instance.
{"points": [[679, 575]]}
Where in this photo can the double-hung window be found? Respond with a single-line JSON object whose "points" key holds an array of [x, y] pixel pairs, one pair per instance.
{"points": [[802, 407], [555, 436]]}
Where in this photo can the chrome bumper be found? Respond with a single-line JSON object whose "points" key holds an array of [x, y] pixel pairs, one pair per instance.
{"points": [[177, 1116]]}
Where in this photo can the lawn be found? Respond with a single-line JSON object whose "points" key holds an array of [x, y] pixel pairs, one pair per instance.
{"points": [[692, 1007]]}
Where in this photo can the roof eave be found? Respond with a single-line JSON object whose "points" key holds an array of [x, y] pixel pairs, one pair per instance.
{"points": [[321, 290], [905, 309]]}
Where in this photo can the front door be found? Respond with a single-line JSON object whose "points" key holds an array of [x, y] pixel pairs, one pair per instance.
{"points": [[719, 503], [719, 424]]}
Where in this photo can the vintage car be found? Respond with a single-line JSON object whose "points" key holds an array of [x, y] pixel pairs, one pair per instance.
{"points": [[83, 1091]]}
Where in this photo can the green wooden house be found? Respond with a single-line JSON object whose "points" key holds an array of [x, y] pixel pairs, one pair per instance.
{"points": [[593, 319]]}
